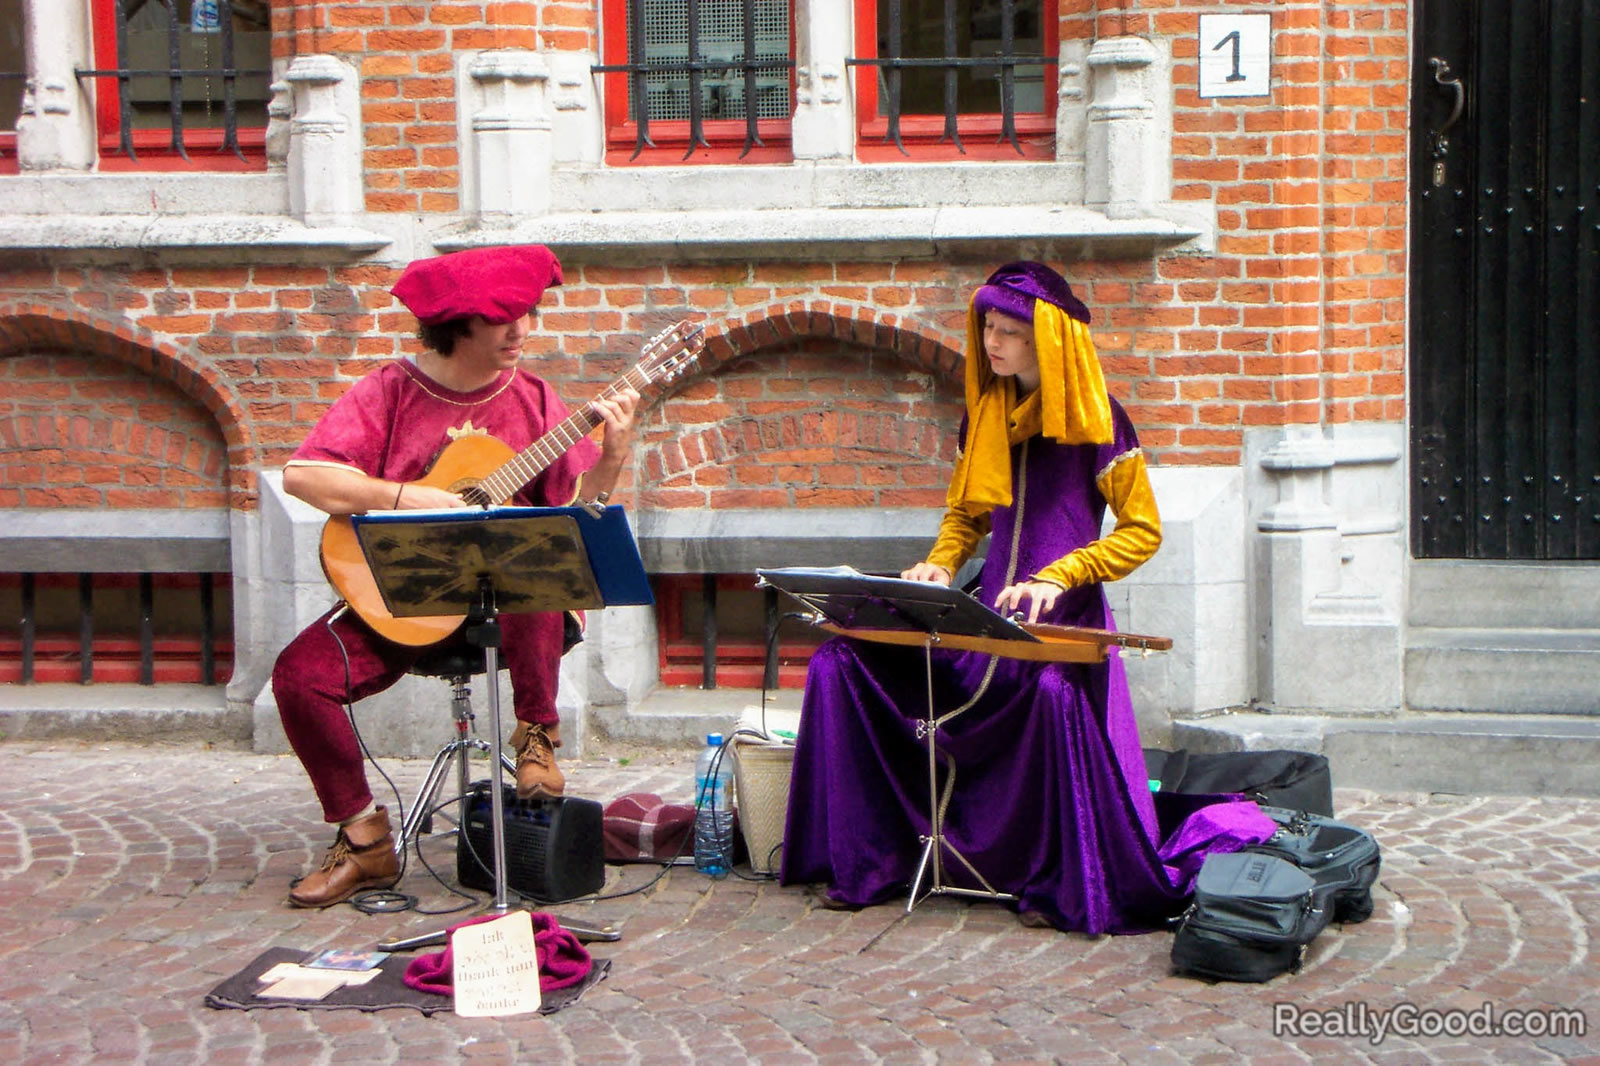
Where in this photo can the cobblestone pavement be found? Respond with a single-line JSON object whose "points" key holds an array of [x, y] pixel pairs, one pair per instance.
{"points": [[135, 878]]}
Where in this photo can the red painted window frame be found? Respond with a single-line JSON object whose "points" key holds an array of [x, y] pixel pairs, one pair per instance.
{"points": [[56, 653], [980, 133], [741, 663], [726, 136], [154, 147]]}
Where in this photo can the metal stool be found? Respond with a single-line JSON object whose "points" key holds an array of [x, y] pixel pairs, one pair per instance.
{"points": [[454, 661]]}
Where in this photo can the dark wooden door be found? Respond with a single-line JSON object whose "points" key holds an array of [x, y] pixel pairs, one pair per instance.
{"points": [[1505, 280]]}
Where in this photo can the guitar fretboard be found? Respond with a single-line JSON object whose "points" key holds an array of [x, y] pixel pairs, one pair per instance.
{"points": [[529, 463]]}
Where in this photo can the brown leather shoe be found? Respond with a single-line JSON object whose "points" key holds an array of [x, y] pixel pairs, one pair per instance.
{"points": [[537, 773], [362, 857]]}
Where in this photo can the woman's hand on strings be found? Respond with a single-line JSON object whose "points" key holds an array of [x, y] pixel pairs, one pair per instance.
{"points": [[927, 572], [1041, 597]]}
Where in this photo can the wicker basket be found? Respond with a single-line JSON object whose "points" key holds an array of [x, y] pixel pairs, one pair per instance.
{"points": [[761, 777]]}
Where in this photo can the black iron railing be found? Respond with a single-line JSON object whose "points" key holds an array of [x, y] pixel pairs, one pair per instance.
{"points": [[167, 656], [893, 63], [679, 26], [175, 72]]}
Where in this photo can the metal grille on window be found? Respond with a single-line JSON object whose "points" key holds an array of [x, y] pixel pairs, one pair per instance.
{"points": [[706, 60], [13, 67], [958, 57], [195, 64]]}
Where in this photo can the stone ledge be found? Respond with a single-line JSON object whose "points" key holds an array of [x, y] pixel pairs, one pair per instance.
{"points": [[197, 233], [1502, 754], [135, 541], [700, 541], [123, 713], [824, 231]]}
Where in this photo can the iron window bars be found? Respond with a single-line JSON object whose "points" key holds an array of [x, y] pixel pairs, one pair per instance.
{"points": [[175, 72], [892, 66], [641, 67], [747, 65], [29, 643]]}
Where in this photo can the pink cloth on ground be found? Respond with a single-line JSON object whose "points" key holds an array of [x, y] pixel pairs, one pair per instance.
{"points": [[563, 961]]}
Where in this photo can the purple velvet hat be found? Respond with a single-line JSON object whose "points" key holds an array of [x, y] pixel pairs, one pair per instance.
{"points": [[1012, 289]]}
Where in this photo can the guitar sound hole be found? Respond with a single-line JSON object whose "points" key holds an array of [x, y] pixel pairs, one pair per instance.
{"points": [[476, 497]]}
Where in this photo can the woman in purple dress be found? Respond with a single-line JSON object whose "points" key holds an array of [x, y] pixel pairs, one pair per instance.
{"points": [[1050, 801]]}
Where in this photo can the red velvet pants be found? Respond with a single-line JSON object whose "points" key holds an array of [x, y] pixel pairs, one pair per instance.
{"points": [[309, 684]]}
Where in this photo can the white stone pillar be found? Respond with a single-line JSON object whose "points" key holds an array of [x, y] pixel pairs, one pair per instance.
{"points": [[1072, 102], [579, 127], [1128, 156], [324, 141], [824, 111], [56, 125], [507, 172], [1329, 634], [280, 115]]}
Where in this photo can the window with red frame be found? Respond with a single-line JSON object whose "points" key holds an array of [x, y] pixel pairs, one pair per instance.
{"points": [[13, 75], [697, 80], [737, 644], [955, 79], [213, 115], [137, 628]]}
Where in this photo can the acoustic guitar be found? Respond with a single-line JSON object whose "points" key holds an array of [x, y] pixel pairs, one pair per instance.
{"points": [[486, 472]]}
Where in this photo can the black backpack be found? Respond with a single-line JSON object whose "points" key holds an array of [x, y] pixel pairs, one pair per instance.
{"points": [[1297, 780], [1341, 859], [1252, 916]]}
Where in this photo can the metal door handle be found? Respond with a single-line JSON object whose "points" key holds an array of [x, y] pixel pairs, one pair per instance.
{"points": [[1441, 77]]}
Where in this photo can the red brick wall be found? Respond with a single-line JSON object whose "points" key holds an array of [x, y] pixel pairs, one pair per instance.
{"points": [[405, 54], [834, 383], [1298, 316], [84, 431]]}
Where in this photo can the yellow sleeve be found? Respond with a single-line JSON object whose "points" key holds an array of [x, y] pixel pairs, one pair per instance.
{"points": [[1125, 485], [959, 534]]}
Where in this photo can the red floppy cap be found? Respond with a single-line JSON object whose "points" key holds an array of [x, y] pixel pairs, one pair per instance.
{"points": [[500, 284]]}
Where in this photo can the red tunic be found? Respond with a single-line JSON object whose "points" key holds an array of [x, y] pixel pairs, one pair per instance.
{"points": [[395, 421], [392, 425]]}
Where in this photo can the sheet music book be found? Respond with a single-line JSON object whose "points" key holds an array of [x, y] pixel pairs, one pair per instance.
{"points": [[543, 558], [852, 600]]}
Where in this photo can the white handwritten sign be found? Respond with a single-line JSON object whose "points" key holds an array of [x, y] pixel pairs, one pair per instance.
{"points": [[1235, 55], [495, 968]]}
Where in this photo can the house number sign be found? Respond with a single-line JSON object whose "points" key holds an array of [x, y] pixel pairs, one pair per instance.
{"points": [[1235, 55]]}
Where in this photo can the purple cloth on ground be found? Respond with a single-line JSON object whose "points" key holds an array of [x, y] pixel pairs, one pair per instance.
{"points": [[563, 961], [1051, 801]]}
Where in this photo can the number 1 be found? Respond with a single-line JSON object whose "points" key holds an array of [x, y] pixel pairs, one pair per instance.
{"points": [[1232, 38]]}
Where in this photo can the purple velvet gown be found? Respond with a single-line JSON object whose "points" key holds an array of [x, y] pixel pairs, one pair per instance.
{"points": [[1051, 801]]}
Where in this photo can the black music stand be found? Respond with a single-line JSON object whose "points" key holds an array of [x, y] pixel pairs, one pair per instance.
{"points": [[484, 561], [843, 599]]}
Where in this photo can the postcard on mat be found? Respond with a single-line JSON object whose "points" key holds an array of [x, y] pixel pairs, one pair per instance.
{"points": [[336, 959]]}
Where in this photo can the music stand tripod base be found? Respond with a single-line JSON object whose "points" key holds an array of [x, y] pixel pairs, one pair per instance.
{"points": [[516, 559], [934, 844]]}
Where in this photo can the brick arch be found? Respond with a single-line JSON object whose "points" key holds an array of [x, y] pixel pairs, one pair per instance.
{"points": [[781, 322], [834, 435], [29, 326]]}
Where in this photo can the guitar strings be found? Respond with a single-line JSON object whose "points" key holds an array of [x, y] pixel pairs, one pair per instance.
{"points": [[503, 483]]}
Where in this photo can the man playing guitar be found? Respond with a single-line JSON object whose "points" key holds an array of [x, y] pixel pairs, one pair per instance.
{"points": [[370, 452]]}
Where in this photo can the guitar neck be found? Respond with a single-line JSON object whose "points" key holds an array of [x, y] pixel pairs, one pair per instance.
{"points": [[532, 461]]}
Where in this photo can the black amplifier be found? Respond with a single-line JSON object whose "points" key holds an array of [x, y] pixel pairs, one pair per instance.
{"points": [[555, 848]]}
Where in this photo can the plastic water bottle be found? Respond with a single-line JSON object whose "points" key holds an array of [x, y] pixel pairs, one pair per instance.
{"points": [[205, 17], [713, 815]]}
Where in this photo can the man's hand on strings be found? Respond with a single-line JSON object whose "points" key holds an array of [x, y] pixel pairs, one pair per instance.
{"points": [[617, 413], [927, 572], [1041, 597]]}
